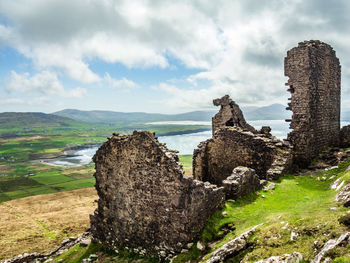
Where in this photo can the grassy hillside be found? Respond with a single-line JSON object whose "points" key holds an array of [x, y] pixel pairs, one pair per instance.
{"points": [[300, 204], [34, 119]]}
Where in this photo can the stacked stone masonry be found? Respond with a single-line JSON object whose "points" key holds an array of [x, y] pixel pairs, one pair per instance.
{"points": [[236, 143], [314, 83], [215, 158], [229, 115], [145, 201]]}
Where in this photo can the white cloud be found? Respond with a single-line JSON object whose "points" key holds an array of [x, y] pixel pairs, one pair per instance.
{"points": [[239, 46], [123, 83], [45, 82]]}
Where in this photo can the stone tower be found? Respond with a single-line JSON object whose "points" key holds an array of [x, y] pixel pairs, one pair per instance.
{"points": [[314, 83]]}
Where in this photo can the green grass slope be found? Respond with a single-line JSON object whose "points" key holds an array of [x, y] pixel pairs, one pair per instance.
{"points": [[300, 204]]}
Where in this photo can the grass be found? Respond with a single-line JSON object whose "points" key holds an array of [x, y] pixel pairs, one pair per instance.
{"points": [[186, 160], [77, 253], [299, 203], [22, 145]]}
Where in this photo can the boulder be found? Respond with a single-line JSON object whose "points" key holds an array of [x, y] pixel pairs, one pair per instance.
{"points": [[241, 183], [344, 196]]}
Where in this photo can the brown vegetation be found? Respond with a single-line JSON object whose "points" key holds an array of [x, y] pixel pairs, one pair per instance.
{"points": [[40, 223]]}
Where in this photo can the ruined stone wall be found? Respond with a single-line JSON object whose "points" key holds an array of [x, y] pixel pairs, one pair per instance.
{"points": [[229, 115], [215, 158], [314, 82], [345, 136], [145, 202]]}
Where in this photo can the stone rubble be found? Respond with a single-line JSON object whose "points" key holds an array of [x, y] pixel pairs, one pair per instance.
{"points": [[344, 196], [271, 186], [295, 257], [330, 245], [39, 257], [232, 247], [241, 183]]}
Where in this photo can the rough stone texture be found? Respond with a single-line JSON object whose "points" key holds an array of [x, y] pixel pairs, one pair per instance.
{"points": [[145, 202], [38, 257], [344, 196], [233, 247], [332, 243], [295, 257], [241, 183], [314, 82], [229, 115], [215, 158], [345, 136]]}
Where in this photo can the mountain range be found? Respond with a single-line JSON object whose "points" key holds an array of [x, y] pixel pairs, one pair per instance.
{"points": [[272, 112]]}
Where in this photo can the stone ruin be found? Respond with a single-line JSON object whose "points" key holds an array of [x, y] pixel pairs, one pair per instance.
{"points": [[236, 143], [229, 115], [314, 83], [147, 204], [145, 201]]}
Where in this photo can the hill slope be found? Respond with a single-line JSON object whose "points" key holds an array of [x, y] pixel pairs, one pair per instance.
{"points": [[34, 119], [272, 112], [132, 117]]}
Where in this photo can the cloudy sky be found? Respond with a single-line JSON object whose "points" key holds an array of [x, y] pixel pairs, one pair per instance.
{"points": [[158, 55]]}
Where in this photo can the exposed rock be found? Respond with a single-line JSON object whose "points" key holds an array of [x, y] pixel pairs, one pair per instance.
{"points": [[337, 184], [314, 82], [232, 247], [200, 246], [215, 158], [241, 183], [263, 182], [144, 199], [345, 219], [38, 257], [229, 115], [295, 257], [330, 245], [344, 196], [266, 130], [271, 186], [293, 236]]}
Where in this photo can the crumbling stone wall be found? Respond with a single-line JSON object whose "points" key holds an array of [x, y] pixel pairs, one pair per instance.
{"points": [[229, 115], [215, 158], [145, 201], [345, 136], [314, 82]]}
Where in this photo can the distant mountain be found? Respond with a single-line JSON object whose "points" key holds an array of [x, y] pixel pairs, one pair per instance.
{"points": [[133, 117], [272, 112], [34, 120]]}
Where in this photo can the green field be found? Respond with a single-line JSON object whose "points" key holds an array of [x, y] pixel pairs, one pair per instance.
{"points": [[29, 137], [20, 176]]}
